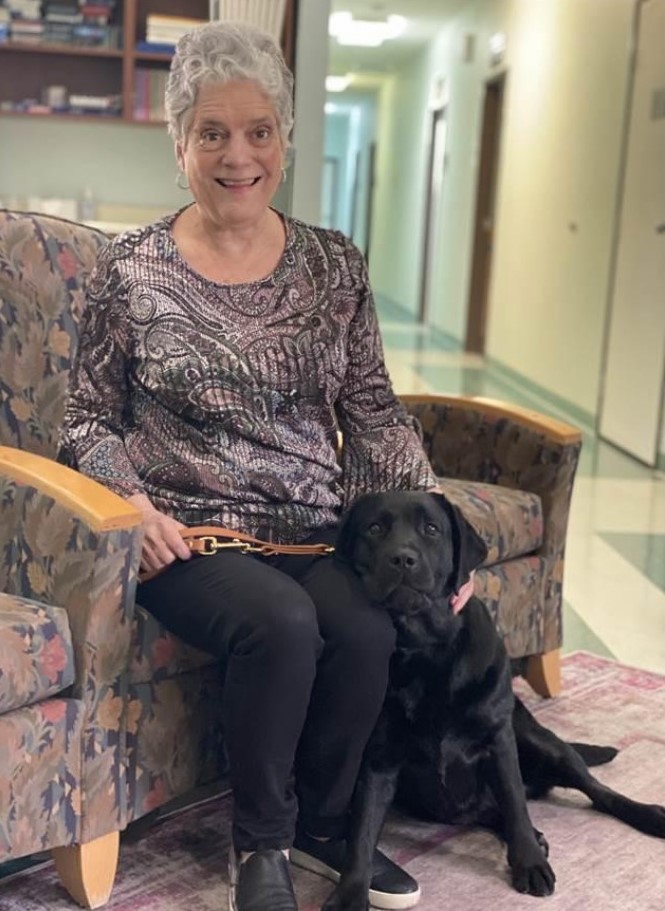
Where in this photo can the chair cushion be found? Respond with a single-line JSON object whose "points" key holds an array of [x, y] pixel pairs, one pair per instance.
{"points": [[36, 653], [513, 593], [509, 521]]}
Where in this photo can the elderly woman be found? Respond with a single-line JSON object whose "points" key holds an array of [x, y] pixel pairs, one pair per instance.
{"points": [[221, 349]]}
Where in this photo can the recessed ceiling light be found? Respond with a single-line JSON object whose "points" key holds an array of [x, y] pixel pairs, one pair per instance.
{"points": [[338, 83], [364, 32]]}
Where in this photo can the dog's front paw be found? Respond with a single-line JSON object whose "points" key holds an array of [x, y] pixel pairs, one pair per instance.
{"points": [[347, 898], [533, 876]]}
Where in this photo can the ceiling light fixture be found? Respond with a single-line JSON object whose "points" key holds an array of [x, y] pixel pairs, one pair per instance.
{"points": [[364, 32], [338, 83], [497, 44]]}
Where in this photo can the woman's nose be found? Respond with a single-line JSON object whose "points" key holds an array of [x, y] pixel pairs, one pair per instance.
{"points": [[236, 150]]}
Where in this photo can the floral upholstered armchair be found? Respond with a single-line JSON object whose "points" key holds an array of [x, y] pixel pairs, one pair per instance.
{"points": [[105, 716]]}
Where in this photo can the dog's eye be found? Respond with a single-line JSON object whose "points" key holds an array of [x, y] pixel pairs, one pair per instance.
{"points": [[374, 529], [431, 529]]}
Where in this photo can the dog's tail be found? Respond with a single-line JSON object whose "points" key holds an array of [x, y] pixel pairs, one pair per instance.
{"points": [[594, 755]]}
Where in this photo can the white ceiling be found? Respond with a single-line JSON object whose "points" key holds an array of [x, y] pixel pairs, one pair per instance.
{"points": [[423, 16]]}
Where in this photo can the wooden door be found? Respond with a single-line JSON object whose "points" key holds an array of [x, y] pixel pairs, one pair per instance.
{"points": [[483, 236]]}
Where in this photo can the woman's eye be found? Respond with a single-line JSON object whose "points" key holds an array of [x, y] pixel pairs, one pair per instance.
{"points": [[263, 133], [210, 137]]}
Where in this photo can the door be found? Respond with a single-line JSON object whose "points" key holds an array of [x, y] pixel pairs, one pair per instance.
{"points": [[483, 235], [632, 395]]}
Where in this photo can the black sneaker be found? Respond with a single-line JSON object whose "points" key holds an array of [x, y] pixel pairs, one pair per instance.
{"points": [[391, 888], [261, 883]]}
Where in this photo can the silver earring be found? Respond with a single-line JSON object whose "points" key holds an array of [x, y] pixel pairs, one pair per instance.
{"points": [[178, 182], [283, 175]]}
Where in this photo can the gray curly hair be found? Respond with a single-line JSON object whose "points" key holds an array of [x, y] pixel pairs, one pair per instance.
{"points": [[223, 52]]}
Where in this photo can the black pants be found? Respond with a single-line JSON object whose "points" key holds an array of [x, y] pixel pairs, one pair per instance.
{"points": [[305, 661]]}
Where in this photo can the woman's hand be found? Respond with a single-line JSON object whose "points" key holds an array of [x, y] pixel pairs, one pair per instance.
{"points": [[460, 598], [162, 543]]}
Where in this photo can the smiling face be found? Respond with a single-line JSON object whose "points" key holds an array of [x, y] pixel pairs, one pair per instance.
{"points": [[232, 155]]}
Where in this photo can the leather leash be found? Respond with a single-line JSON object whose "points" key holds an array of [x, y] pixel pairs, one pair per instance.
{"points": [[206, 540]]}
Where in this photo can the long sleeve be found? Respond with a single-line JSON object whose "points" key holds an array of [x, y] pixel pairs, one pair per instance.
{"points": [[98, 408], [382, 447]]}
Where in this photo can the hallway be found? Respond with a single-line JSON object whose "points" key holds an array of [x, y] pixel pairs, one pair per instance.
{"points": [[614, 584]]}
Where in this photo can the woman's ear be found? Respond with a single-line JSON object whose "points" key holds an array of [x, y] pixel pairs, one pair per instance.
{"points": [[180, 154]]}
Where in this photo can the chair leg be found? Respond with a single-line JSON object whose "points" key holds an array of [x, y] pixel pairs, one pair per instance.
{"points": [[543, 673], [87, 871]]}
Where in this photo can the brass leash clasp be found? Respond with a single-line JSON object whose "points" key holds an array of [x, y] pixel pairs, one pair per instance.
{"points": [[211, 544]]}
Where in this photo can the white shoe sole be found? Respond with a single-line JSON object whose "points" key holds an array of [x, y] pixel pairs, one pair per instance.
{"points": [[384, 901], [233, 879]]}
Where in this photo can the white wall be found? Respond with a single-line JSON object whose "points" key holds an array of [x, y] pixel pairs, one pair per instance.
{"points": [[397, 225], [567, 67], [566, 95], [120, 163]]}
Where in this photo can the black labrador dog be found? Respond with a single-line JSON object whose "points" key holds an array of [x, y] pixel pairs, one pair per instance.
{"points": [[453, 743]]}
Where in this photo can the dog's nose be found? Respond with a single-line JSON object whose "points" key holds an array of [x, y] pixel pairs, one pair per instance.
{"points": [[404, 559]]}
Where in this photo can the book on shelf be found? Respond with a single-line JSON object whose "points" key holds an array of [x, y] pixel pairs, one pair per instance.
{"points": [[149, 47], [184, 23], [29, 31], [59, 22], [24, 9], [149, 89], [4, 24], [95, 104], [161, 29]]}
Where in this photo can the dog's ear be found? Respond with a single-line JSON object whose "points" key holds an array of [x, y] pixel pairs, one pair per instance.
{"points": [[469, 549]]}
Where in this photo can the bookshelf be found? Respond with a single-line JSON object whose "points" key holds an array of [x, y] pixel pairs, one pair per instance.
{"points": [[132, 78]]}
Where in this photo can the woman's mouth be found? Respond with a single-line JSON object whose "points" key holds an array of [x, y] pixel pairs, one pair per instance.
{"points": [[231, 184]]}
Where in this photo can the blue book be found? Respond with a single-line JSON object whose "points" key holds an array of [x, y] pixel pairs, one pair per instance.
{"points": [[149, 47]]}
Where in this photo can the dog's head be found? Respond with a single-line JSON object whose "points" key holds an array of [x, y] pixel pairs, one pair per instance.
{"points": [[409, 548]]}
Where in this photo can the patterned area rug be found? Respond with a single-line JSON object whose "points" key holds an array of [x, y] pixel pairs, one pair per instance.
{"points": [[601, 864]]}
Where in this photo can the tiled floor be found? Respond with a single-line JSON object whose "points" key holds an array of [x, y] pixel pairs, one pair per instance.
{"points": [[614, 585]]}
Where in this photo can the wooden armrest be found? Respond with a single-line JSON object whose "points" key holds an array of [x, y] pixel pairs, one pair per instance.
{"points": [[97, 506]]}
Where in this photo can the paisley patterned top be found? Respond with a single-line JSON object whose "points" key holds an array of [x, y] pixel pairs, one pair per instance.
{"points": [[222, 402]]}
